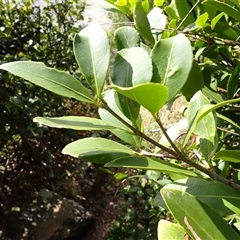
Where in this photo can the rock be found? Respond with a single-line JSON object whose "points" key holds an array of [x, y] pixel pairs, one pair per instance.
{"points": [[47, 217]]}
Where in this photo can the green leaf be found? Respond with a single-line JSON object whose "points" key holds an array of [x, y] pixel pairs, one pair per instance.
{"points": [[58, 82], [157, 95], [92, 51], [97, 150], [233, 82], [223, 7], [171, 67], [158, 3], [168, 230], [142, 24], [132, 66], [201, 20], [126, 37], [76, 123], [228, 120], [147, 163], [222, 198], [216, 19], [203, 111], [197, 218], [206, 128], [112, 99], [183, 9], [228, 155], [194, 82], [170, 12], [158, 22]]}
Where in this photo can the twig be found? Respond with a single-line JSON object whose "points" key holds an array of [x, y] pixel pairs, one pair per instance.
{"points": [[177, 155]]}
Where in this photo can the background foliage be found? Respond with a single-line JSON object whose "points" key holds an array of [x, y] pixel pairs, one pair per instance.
{"points": [[174, 48]]}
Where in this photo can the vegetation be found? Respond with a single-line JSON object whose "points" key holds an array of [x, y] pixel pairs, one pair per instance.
{"points": [[172, 48]]}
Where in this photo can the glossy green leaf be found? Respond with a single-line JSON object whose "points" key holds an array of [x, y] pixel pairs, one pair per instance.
{"points": [[92, 51], [203, 111], [147, 163], [183, 9], [126, 37], [171, 67], [223, 7], [97, 150], [51, 79], [76, 123], [228, 155], [156, 93], [112, 99], [194, 82], [206, 128], [169, 230], [197, 218], [233, 82], [142, 24], [201, 20], [216, 19], [158, 22], [211, 94], [222, 198], [132, 66]]}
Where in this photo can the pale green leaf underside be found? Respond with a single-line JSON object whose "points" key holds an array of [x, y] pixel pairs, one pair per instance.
{"points": [[77, 123], [51, 79], [86, 145], [173, 67], [92, 52], [132, 66]]}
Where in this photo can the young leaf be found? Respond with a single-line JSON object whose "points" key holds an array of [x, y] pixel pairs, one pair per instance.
{"points": [[141, 22], [223, 7], [201, 20], [158, 3], [228, 155], [169, 230], [132, 66], [207, 224], [126, 37], [56, 81], [172, 67], [110, 6], [97, 150], [206, 128], [76, 123], [215, 20], [147, 163], [157, 95], [92, 51], [157, 22]]}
